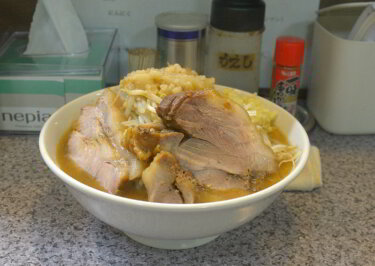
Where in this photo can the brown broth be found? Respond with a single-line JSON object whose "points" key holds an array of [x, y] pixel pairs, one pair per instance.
{"points": [[131, 190]]}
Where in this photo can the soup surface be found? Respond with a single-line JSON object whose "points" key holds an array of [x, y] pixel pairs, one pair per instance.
{"points": [[136, 191]]}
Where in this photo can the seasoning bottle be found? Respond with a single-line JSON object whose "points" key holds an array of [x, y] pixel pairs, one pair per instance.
{"points": [[181, 39], [288, 58], [234, 42]]}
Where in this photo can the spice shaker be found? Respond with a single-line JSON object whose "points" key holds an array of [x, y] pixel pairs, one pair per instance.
{"points": [[234, 43], [286, 74], [181, 39]]}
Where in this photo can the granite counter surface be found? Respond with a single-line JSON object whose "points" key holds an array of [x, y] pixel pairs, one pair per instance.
{"points": [[42, 224]]}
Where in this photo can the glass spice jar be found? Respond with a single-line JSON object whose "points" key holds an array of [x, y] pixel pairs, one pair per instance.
{"points": [[234, 43], [286, 74]]}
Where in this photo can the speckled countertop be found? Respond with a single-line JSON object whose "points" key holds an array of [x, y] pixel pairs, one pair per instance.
{"points": [[42, 224]]}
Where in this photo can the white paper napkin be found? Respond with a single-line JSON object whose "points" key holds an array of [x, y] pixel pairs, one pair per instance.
{"points": [[56, 29], [311, 175]]}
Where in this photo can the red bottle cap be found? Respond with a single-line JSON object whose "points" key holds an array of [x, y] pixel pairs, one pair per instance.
{"points": [[289, 51]]}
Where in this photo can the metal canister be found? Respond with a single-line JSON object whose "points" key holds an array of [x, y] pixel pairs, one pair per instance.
{"points": [[181, 39]]}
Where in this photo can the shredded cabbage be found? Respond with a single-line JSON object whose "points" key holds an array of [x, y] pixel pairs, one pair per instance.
{"points": [[143, 90], [259, 115]]}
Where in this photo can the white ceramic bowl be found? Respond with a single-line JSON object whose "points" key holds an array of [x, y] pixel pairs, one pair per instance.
{"points": [[170, 226]]}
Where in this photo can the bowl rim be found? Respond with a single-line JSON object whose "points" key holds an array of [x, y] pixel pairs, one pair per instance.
{"points": [[225, 204]]}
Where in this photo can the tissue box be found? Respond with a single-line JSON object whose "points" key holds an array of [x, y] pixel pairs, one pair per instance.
{"points": [[33, 87], [341, 93]]}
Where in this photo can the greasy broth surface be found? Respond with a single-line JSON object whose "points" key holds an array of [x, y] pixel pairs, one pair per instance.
{"points": [[131, 190]]}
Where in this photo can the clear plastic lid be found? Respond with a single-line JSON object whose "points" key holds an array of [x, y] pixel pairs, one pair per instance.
{"points": [[13, 62], [181, 21]]}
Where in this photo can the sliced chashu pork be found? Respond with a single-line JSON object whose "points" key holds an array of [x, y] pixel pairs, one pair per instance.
{"points": [[219, 180], [166, 182], [223, 136], [148, 139], [88, 123], [100, 159], [95, 144], [144, 140], [111, 116]]}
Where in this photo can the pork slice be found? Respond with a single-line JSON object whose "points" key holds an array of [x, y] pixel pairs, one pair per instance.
{"points": [[187, 185], [207, 116], [169, 106], [166, 182], [210, 167], [88, 123], [92, 146], [100, 159], [135, 166], [169, 141], [110, 116], [196, 154], [145, 141], [220, 180], [159, 179]]}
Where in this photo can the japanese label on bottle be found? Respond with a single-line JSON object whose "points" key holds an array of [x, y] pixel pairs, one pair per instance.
{"points": [[236, 62], [285, 87]]}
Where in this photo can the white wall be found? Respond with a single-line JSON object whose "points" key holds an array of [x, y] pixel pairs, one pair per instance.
{"points": [[135, 21]]}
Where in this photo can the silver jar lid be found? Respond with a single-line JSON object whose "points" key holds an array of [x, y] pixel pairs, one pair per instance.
{"points": [[181, 21]]}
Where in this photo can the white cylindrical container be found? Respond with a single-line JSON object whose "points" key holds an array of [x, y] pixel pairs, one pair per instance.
{"points": [[234, 43], [233, 58]]}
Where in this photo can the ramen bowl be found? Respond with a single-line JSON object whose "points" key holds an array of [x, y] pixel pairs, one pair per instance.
{"points": [[161, 225]]}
